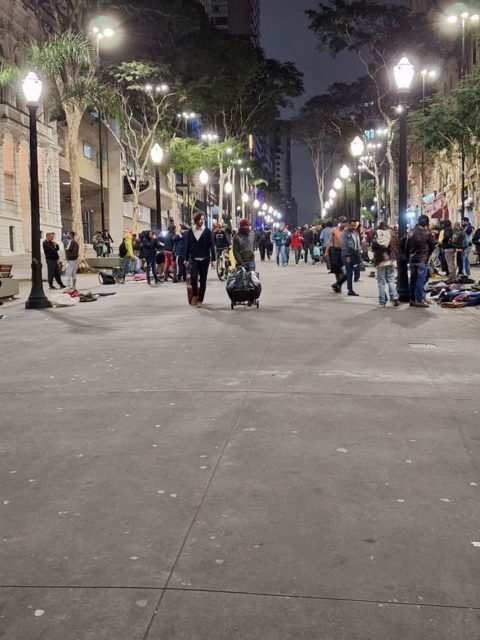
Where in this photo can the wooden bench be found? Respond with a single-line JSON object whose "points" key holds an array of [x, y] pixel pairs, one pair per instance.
{"points": [[6, 270]]}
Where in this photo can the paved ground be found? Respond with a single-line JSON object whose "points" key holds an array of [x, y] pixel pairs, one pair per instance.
{"points": [[310, 470]]}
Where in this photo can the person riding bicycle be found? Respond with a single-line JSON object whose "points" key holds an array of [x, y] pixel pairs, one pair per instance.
{"points": [[221, 239]]}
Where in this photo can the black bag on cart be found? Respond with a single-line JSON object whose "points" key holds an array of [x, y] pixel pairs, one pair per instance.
{"points": [[243, 286]]}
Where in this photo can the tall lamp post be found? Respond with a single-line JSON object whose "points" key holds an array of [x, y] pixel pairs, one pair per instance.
{"points": [[356, 148], [228, 190], [344, 175], [32, 90], [432, 74], [204, 178], [100, 34], [403, 73], [156, 156], [464, 17]]}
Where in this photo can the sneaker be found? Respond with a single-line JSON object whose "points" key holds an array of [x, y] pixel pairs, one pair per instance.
{"points": [[396, 302], [199, 305], [52, 287], [336, 288], [382, 305], [423, 304], [352, 293], [194, 301], [62, 286], [2, 317]]}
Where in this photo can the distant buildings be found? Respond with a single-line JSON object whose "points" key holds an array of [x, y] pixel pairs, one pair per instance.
{"points": [[239, 17]]}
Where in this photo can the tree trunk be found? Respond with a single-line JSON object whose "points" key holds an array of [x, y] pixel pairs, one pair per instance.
{"points": [[73, 117]]}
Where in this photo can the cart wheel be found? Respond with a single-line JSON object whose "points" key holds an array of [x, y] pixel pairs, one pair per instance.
{"points": [[232, 305], [258, 304]]}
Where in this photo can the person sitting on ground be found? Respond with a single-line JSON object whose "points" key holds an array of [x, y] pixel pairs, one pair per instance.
{"points": [[243, 246]]}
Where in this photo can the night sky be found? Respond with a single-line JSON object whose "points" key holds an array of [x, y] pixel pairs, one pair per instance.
{"points": [[285, 36]]}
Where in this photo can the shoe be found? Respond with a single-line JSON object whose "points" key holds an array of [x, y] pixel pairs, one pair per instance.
{"points": [[62, 286], [352, 293], [199, 305], [2, 317], [1, 303], [396, 302], [52, 287], [381, 305], [423, 304], [428, 301], [194, 301], [412, 304]]}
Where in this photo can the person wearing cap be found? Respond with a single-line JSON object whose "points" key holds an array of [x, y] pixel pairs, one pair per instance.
{"points": [[418, 248], [244, 246]]}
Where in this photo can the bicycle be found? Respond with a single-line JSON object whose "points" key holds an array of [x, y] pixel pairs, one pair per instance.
{"points": [[223, 264]]}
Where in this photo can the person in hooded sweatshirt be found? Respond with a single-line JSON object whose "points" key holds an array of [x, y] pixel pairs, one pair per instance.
{"points": [[243, 246], [385, 252]]}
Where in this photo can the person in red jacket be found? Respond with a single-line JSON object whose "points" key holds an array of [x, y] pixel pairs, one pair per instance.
{"points": [[297, 243]]}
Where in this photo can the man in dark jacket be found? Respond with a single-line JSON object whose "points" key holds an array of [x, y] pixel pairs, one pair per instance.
{"points": [[419, 246], [149, 252], [221, 238], [180, 250], [243, 246], [51, 249], [200, 251], [351, 256], [308, 242]]}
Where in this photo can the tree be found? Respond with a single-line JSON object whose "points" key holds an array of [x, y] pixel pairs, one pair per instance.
{"points": [[68, 62], [144, 107], [377, 33]]}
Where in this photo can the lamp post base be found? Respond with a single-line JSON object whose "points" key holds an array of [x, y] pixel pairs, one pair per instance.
{"points": [[37, 298]]}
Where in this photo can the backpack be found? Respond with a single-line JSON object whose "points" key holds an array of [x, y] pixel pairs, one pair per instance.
{"points": [[458, 238], [122, 249], [106, 278]]}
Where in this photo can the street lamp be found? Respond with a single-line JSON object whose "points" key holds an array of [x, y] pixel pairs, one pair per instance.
{"points": [[345, 175], [256, 203], [99, 35], [403, 74], [332, 194], [228, 188], [464, 17], [32, 90], [204, 178], [185, 116], [156, 155], [356, 148], [337, 184], [431, 74]]}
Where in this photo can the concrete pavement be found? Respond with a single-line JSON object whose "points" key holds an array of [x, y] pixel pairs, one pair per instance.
{"points": [[307, 470]]}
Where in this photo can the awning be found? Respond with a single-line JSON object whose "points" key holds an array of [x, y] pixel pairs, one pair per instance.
{"points": [[441, 213]]}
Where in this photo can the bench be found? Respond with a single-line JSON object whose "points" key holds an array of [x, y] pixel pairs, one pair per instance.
{"points": [[6, 270], [9, 287]]}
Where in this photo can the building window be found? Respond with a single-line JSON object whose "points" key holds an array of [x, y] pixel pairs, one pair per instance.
{"points": [[88, 150], [9, 186], [50, 190], [11, 236]]}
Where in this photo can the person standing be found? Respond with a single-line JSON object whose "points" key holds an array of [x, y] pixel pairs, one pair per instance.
{"points": [[180, 248], [334, 252], [168, 247], [325, 234], [420, 244], [71, 253], [260, 239], [129, 259], [243, 246], [51, 249], [200, 252], [297, 244], [279, 239], [448, 249], [149, 251], [467, 248], [108, 241], [308, 242], [268, 243], [65, 239], [385, 253]]}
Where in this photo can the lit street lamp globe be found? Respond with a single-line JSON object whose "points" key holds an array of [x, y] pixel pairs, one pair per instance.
{"points": [[32, 88], [332, 194], [357, 146], [403, 73], [245, 198], [270, 210], [265, 206], [228, 188], [204, 177], [337, 185], [156, 154], [256, 203], [344, 172]]}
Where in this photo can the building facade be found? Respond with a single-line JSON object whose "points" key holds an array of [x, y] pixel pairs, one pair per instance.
{"points": [[239, 17]]}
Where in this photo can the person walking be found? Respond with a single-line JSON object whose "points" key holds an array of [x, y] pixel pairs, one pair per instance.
{"points": [[200, 252], [418, 247], [149, 252], [279, 239], [449, 251], [325, 234], [268, 243], [243, 246], [71, 253], [385, 253], [297, 244], [350, 257], [180, 247], [260, 239], [51, 249], [168, 247]]}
